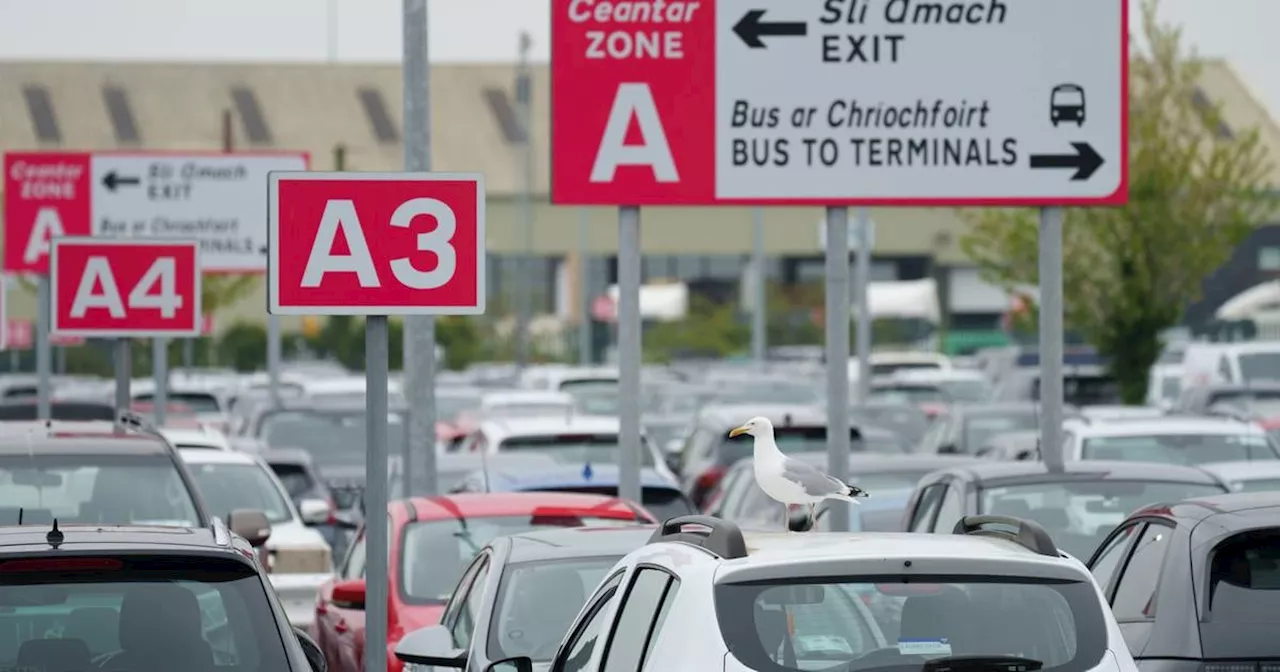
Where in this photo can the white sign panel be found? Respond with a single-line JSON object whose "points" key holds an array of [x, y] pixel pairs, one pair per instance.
{"points": [[215, 199], [908, 102]]}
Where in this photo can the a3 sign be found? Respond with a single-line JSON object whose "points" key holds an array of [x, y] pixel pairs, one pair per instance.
{"points": [[375, 244], [125, 288]]}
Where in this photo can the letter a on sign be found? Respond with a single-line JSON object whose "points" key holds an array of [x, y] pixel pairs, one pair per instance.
{"points": [[97, 272], [48, 225], [634, 101], [340, 215]]}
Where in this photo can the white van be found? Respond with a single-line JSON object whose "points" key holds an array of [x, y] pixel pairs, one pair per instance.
{"points": [[1230, 363]]}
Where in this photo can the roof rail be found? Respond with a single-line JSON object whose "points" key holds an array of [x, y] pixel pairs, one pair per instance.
{"points": [[1028, 534], [221, 535], [723, 538]]}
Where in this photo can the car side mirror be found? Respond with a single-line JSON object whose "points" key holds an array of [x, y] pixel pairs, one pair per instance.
{"points": [[433, 646], [315, 657], [349, 594], [516, 664], [314, 511], [250, 524]]}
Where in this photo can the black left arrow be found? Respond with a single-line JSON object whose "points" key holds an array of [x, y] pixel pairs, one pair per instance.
{"points": [[1086, 161], [751, 27], [112, 180]]}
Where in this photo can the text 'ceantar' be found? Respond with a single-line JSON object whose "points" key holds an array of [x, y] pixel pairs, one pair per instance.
{"points": [[634, 29]]}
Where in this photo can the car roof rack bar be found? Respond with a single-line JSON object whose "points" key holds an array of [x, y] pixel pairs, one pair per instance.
{"points": [[721, 538], [1028, 534], [136, 422]]}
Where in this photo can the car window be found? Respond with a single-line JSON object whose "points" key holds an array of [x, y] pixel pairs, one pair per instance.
{"points": [[1135, 597], [922, 516], [227, 487], [663, 610], [577, 651], [1109, 559], [537, 602], [951, 510], [354, 566], [635, 620], [94, 489], [853, 623], [137, 613], [978, 429], [1185, 449], [332, 439], [296, 479], [465, 624], [458, 599]]}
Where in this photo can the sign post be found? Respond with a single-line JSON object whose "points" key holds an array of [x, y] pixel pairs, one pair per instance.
{"points": [[124, 289], [840, 103], [376, 244]]}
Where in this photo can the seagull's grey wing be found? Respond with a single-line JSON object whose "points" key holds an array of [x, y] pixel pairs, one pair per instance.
{"points": [[815, 482]]}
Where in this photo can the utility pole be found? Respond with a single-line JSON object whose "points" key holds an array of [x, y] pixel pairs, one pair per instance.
{"points": [[524, 287]]}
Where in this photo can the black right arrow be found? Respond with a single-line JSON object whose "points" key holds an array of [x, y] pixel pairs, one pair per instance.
{"points": [[111, 180], [1086, 161], [750, 28]]}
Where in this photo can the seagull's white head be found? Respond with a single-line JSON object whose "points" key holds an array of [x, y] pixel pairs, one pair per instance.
{"points": [[757, 426]]}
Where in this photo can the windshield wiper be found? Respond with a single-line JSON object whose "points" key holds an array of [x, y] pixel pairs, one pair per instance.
{"points": [[983, 664]]}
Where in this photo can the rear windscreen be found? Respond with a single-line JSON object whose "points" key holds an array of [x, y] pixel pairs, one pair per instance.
{"points": [[1244, 597], [79, 613], [196, 401], [663, 503], [1084, 390]]}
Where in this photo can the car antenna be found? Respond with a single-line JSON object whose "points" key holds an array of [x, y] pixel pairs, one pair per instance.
{"points": [[55, 535]]}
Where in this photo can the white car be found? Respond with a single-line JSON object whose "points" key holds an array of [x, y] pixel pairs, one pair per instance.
{"points": [[199, 438], [299, 560], [701, 595], [567, 439], [1247, 476], [1189, 440], [525, 404]]}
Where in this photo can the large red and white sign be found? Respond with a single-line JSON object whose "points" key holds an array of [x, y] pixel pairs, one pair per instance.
{"points": [[376, 244], [105, 288], [209, 197], [839, 102]]}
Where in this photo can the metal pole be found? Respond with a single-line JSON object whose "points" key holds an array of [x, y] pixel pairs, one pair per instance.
{"points": [[524, 288], [584, 289], [274, 347], [759, 317], [375, 490], [418, 474], [124, 374], [44, 351], [837, 337], [1051, 345], [629, 351], [861, 284], [160, 371]]}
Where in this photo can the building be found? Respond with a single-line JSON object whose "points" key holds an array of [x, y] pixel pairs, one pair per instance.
{"points": [[348, 116]]}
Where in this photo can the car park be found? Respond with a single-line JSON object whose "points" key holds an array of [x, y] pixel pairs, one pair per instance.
{"points": [[1186, 440], [1078, 505], [660, 496], [299, 559], [889, 478], [80, 598], [704, 595], [1192, 583], [572, 439], [432, 541], [519, 596], [207, 406]]}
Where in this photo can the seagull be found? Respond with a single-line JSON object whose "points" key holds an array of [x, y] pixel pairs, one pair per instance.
{"points": [[791, 481]]}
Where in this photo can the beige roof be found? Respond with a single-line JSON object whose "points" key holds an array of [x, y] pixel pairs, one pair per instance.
{"points": [[1241, 108]]}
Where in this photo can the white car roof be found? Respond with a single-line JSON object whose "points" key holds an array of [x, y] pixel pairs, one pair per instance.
{"points": [[180, 437], [931, 375], [198, 456], [1165, 426], [1244, 471], [497, 430]]}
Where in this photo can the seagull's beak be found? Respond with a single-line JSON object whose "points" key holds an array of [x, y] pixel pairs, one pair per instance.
{"points": [[738, 431]]}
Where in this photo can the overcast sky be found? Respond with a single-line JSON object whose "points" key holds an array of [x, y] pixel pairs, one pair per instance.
{"points": [[460, 30]]}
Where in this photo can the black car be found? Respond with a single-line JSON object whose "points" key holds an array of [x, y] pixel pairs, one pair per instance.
{"points": [[142, 598], [1193, 584], [1078, 506], [519, 596]]}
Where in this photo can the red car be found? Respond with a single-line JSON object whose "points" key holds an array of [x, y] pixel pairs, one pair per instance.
{"points": [[432, 541]]}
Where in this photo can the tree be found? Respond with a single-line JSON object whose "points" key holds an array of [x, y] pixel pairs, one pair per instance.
{"points": [[1195, 192]]}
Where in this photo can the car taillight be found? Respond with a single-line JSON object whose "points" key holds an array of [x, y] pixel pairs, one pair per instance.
{"points": [[710, 478], [60, 564]]}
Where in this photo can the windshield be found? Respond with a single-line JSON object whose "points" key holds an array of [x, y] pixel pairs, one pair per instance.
{"points": [[1260, 366], [573, 448], [1244, 597], [663, 503], [802, 440], [295, 478], [968, 391], [599, 403], [1079, 514], [197, 402], [94, 489], [1189, 449], [227, 487], [336, 439], [888, 368], [978, 429], [142, 613], [881, 623], [1068, 97], [589, 386], [434, 553], [537, 602], [910, 395]]}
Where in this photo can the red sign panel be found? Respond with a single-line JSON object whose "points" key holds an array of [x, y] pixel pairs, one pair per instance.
{"points": [[46, 195], [375, 244], [125, 288]]}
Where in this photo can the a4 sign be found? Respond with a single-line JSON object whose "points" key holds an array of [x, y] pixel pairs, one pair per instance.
{"points": [[125, 288]]}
